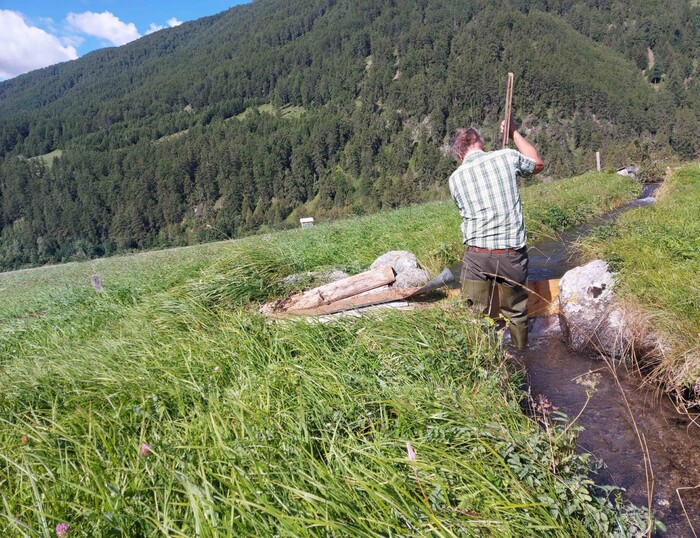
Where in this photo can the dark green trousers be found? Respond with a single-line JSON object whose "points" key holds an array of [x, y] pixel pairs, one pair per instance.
{"points": [[483, 272]]}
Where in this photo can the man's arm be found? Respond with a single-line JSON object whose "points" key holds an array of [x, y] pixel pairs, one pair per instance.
{"points": [[524, 146]]}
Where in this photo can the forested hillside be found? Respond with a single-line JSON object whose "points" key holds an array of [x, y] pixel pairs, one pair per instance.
{"points": [[277, 109]]}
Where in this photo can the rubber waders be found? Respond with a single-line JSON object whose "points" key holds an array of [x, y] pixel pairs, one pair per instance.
{"points": [[514, 307], [477, 292]]}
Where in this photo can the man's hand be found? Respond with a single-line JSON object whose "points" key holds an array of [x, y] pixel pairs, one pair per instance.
{"points": [[511, 129], [523, 145]]}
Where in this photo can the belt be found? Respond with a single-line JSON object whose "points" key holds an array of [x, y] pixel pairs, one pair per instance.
{"points": [[492, 250]]}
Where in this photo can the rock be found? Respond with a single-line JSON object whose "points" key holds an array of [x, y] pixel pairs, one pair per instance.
{"points": [[400, 260], [411, 278], [589, 318], [409, 273]]}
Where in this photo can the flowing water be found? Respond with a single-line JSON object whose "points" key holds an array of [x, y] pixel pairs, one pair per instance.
{"points": [[621, 414]]}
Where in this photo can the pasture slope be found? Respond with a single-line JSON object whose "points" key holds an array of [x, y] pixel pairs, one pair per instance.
{"points": [[166, 406]]}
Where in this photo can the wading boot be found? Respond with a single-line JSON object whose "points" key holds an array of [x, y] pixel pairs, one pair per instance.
{"points": [[478, 294], [514, 307]]}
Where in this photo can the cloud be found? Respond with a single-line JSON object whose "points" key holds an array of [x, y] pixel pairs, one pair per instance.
{"points": [[24, 47], [104, 25], [155, 27]]}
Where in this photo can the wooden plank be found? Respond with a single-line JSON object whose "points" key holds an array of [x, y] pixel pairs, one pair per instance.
{"points": [[336, 291]]}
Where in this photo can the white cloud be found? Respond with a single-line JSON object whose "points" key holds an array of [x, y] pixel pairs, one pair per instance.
{"points": [[105, 26], [155, 27], [24, 47]]}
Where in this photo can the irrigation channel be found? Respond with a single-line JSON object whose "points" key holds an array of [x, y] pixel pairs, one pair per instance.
{"points": [[610, 434]]}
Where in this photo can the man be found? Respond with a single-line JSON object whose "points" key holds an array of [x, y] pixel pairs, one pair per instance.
{"points": [[485, 189]]}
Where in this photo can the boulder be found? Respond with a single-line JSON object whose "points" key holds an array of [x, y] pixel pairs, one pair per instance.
{"points": [[400, 260], [409, 273], [411, 278], [588, 315]]}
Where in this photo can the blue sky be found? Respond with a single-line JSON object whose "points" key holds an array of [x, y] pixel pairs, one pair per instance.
{"points": [[38, 33]]}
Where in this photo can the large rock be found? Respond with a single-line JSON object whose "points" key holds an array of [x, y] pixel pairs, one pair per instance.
{"points": [[409, 273], [589, 318]]}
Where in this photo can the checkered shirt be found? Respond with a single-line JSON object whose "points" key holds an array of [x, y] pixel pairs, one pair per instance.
{"points": [[485, 189]]}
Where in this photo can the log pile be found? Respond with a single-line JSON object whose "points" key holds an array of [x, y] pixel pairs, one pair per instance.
{"points": [[346, 294]]}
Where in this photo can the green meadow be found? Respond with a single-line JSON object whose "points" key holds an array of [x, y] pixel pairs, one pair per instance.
{"points": [[165, 405]]}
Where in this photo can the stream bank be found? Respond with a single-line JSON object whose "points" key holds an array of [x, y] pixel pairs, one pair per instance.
{"points": [[618, 414]]}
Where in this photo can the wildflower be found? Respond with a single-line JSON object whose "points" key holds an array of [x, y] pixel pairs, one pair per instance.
{"points": [[62, 530], [216, 368], [411, 452], [589, 380], [543, 405], [145, 450], [24, 440]]}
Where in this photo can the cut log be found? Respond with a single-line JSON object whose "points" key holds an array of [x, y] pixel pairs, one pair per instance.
{"points": [[338, 290], [351, 303]]}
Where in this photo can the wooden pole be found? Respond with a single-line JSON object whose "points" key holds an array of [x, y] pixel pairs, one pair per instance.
{"points": [[509, 102], [597, 160]]}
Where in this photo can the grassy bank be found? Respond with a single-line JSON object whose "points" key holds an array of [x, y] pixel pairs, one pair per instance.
{"points": [[165, 406], [656, 250]]}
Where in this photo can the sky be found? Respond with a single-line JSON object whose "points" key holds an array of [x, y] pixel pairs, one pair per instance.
{"points": [[38, 33]]}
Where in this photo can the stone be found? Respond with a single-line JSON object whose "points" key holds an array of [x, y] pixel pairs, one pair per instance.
{"points": [[400, 260], [411, 278], [409, 273], [589, 317]]}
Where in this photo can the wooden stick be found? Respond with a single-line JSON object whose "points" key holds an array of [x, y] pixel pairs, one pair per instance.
{"points": [[509, 102]]}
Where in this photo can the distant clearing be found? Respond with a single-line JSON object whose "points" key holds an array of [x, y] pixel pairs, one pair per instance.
{"points": [[173, 136], [48, 158], [268, 108]]}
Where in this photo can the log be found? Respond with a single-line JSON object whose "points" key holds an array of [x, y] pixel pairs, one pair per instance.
{"points": [[352, 303], [338, 290]]}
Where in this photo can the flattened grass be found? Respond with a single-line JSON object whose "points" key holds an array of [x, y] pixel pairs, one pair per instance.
{"points": [[656, 250]]}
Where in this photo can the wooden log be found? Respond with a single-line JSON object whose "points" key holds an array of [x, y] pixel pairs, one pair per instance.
{"points": [[335, 291], [354, 302]]}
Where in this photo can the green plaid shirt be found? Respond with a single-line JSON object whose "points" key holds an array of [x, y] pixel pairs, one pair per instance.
{"points": [[485, 189]]}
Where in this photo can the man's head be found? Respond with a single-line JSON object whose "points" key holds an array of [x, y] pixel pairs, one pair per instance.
{"points": [[465, 140]]}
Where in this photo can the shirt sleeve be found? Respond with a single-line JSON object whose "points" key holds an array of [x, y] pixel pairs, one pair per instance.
{"points": [[524, 166]]}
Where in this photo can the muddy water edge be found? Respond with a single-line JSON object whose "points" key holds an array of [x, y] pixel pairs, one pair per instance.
{"points": [[621, 414]]}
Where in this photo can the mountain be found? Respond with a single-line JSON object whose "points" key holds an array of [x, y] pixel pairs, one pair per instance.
{"points": [[276, 109]]}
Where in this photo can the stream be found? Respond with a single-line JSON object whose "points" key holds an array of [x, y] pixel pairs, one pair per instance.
{"points": [[610, 434]]}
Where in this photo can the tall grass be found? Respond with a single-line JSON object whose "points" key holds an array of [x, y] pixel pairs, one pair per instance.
{"points": [[657, 253], [294, 430], [165, 406]]}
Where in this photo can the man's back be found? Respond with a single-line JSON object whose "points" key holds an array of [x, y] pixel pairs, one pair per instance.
{"points": [[485, 189]]}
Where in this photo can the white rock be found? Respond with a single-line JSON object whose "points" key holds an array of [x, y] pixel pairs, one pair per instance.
{"points": [[589, 318], [400, 260]]}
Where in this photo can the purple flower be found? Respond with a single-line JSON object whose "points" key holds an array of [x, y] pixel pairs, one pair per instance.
{"points": [[410, 451], [145, 450], [62, 530]]}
